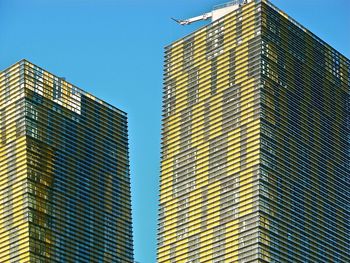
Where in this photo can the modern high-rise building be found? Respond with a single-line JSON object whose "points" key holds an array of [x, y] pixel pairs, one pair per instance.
{"points": [[255, 142], [64, 172]]}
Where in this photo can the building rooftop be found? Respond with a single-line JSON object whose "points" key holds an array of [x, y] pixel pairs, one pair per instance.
{"points": [[76, 89], [234, 6]]}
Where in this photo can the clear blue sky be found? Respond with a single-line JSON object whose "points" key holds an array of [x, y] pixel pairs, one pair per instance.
{"points": [[114, 49]]}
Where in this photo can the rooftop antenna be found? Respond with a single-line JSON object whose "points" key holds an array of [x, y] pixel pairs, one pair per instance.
{"points": [[218, 12]]}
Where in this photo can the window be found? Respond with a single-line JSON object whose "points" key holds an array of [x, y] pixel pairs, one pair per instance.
{"points": [[57, 88]]}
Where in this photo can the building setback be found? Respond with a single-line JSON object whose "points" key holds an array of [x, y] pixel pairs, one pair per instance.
{"points": [[255, 143], [64, 172]]}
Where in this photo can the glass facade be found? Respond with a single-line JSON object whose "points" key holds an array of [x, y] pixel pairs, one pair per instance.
{"points": [[64, 172], [255, 143], [305, 135]]}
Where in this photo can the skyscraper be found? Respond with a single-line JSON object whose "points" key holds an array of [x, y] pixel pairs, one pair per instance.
{"points": [[64, 172], [255, 147]]}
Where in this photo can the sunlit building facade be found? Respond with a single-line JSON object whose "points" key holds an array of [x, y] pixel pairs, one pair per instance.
{"points": [[64, 172], [255, 143]]}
